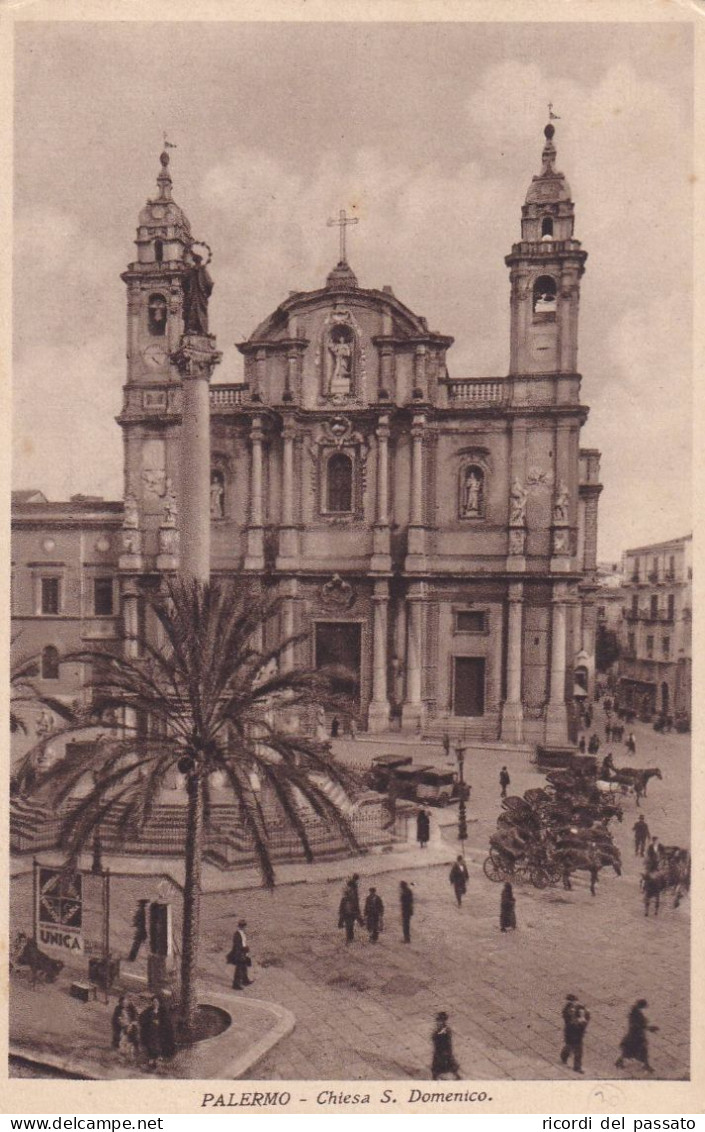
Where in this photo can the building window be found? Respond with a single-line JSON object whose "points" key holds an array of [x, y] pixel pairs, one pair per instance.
{"points": [[635, 604], [635, 571], [601, 614], [671, 606], [339, 486], [158, 251], [672, 568], [545, 295], [650, 647], [631, 642], [472, 492], [103, 597], [654, 607], [50, 663], [157, 314], [51, 595], [470, 621], [547, 227], [666, 647]]}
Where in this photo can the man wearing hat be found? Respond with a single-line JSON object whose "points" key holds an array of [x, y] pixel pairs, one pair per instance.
{"points": [[240, 957], [575, 1020], [442, 1041]]}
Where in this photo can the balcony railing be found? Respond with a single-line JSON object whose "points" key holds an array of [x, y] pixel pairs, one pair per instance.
{"points": [[476, 391], [227, 396]]}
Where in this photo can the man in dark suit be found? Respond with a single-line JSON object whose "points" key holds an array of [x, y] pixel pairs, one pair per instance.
{"points": [[139, 922], [240, 957]]}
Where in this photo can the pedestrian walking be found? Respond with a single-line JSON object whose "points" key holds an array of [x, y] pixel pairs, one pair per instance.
{"points": [[446, 744], [139, 922], [157, 1032], [507, 909], [353, 728], [582, 745], [406, 900], [608, 731], [575, 1023], [443, 1057], [504, 781], [423, 828], [635, 1044], [239, 957], [594, 877], [652, 855], [335, 727], [374, 914], [631, 743], [641, 835], [594, 744], [349, 911], [459, 877]]}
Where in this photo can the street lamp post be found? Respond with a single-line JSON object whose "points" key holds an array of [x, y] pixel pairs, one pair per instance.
{"points": [[462, 816]]}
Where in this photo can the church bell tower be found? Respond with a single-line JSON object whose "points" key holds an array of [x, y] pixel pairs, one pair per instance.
{"points": [[545, 270], [154, 289]]}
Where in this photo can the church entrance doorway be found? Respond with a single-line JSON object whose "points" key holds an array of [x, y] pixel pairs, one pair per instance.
{"points": [[338, 651], [469, 685]]}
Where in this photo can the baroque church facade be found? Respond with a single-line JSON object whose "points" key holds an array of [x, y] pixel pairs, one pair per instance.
{"points": [[433, 538]]}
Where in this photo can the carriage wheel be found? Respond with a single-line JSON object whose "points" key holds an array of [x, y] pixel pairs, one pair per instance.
{"points": [[493, 870], [539, 877]]}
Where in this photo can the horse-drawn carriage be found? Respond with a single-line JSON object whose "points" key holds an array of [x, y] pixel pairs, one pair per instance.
{"points": [[554, 831]]}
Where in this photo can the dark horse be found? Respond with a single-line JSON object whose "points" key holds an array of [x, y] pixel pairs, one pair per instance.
{"points": [[637, 779]]}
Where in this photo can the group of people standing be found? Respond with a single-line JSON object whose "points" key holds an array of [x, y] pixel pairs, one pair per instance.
{"points": [[371, 916], [149, 1032]]}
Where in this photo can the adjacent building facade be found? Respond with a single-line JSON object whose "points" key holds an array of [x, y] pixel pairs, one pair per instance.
{"points": [[433, 536], [656, 642]]}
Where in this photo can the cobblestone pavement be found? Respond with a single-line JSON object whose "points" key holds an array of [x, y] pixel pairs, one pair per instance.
{"points": [[366, 1011]]}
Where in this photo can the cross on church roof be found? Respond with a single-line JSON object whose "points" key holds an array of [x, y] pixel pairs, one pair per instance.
{"points": [[342, 223]]}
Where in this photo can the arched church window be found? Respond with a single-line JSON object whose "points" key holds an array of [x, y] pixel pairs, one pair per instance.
{"points": [[217, 494], [544, 294], [547, 228], [159, 251], [472, 492], [50, 663], [156, 309], [339, 492]]}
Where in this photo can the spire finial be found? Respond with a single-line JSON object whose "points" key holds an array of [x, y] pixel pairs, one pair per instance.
{"points": [[164, 178]]}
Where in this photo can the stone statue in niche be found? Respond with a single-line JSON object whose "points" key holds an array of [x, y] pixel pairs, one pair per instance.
{"points": [[131, 541], [217, 495], [170, 511], [472, 493], [560, 506], [560, 542], [517, 505], [340, 347]]}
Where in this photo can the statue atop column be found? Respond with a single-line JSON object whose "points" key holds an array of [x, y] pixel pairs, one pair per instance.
{"points": [[197, 287]]}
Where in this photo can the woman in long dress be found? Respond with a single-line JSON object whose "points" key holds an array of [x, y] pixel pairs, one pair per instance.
{"points": [[634, 1045], [507, 909]]}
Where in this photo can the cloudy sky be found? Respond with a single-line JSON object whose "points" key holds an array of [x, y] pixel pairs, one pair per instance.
{"points": [[431, 133]]}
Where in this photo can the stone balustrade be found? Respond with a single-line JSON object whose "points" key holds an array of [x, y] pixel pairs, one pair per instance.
{"points": [[472, 390]]}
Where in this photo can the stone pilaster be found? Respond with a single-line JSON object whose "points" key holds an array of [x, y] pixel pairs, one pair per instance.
{"points": [[381, 556], [512, 711], [556, 710], [288, 534], [378, 711], [254, 557], [412, 709]]}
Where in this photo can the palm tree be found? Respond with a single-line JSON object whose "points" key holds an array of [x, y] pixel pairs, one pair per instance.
{"points": [[210, 694]]}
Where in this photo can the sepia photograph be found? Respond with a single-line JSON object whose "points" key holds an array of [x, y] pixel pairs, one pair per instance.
{"points": [[351, 557]]}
